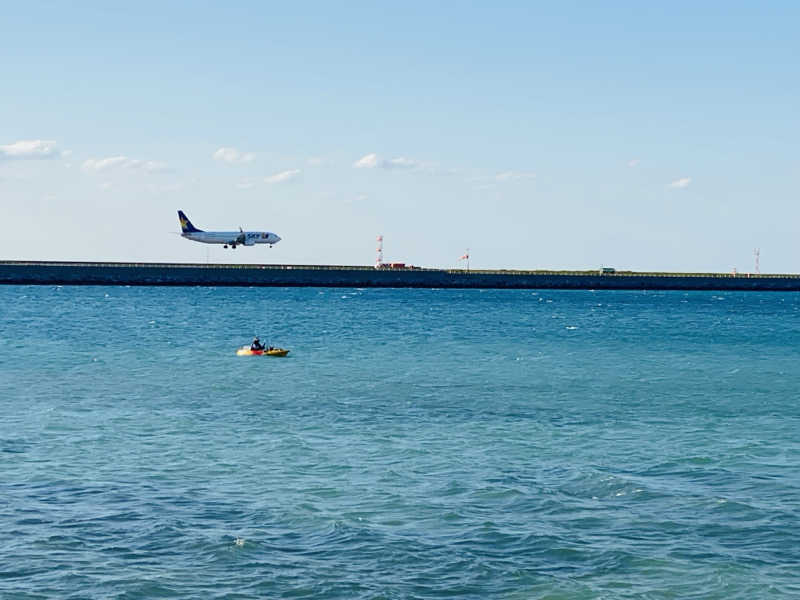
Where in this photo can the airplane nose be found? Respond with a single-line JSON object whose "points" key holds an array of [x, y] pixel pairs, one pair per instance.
{"points": [[277, 239]]}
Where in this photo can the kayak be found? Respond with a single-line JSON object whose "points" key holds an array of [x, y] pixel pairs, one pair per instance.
{"points": [[245, 351]]}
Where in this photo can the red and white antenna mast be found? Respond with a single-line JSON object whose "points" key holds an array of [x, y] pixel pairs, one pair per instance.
{"points": [[757, 253], [379, 250]]}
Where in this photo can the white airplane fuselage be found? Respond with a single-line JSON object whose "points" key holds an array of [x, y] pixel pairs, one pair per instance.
{"points": [[245, 238], [227, 238]]}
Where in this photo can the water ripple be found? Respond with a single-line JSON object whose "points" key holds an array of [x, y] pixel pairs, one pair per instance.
{"points": [[419, 444]]}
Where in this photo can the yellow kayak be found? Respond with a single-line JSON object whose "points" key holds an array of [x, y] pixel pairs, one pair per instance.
{"points": [[245, 351]]}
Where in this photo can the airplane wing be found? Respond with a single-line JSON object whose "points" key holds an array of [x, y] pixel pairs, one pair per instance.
{"points": [[239, 239]]}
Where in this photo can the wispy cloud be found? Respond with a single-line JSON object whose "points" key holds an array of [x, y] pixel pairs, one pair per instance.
{"points": [[373, 161], [401, 162], [283, 176], [103, 164], [245, 184], [487, 182], [634, 162], [681, 183], [233, 155], [369, 161], [514, 176], [98, 165], [30, 149]]}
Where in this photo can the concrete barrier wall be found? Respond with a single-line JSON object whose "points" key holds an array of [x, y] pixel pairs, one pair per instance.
{"points": [[44, 273]]}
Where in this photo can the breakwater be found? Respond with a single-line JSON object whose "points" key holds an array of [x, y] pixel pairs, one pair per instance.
{"points": [[189, 274]]}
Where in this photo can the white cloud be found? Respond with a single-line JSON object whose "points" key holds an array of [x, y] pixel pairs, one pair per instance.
{"points": [[98, 165], [245, 185], [634, 162], [103, 164], [150, 166], [30, 149], [372, 161], [401, 162], [514, 176], [282, 176], [369, 161], [233, 155], [681, 183]]}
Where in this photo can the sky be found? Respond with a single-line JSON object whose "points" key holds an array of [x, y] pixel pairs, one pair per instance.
{"points": [[538, 135]]}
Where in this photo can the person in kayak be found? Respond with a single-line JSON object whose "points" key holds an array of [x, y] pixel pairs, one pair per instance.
{"points": [[256, 345]]}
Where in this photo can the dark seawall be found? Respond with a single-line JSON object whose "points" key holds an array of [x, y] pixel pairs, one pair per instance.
{"points": [[172, 274]]}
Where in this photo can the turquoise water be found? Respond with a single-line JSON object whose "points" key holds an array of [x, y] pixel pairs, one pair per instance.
{"points": [[415, 444]]}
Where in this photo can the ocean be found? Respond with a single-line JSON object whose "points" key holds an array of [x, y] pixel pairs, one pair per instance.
{"points": [[414, 444]]}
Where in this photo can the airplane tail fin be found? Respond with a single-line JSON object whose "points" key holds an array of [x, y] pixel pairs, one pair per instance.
{"points": [[186, 224]]}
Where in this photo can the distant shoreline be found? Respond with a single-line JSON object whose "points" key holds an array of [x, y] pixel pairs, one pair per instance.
{"points": [[196, 274]]}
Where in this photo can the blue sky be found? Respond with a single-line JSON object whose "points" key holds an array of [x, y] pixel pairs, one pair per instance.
{"points": [[539, 135]]}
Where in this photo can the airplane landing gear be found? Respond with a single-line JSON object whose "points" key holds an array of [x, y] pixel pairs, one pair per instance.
{"points": [[225, 246]]}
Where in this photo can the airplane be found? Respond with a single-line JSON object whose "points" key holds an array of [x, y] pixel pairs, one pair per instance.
{"points": [[228, 238]]}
